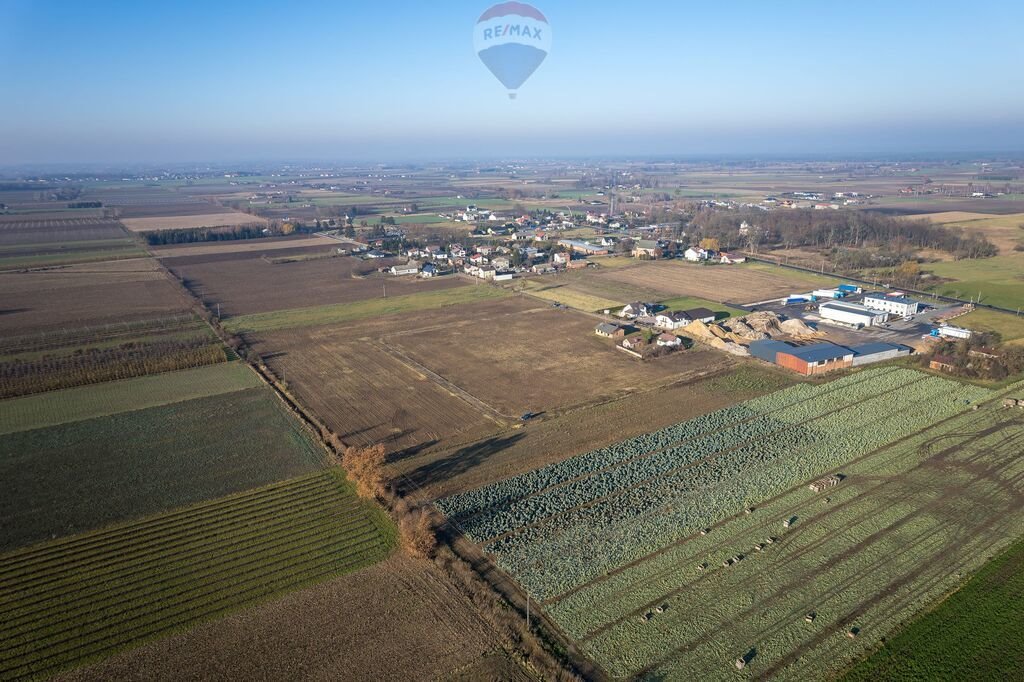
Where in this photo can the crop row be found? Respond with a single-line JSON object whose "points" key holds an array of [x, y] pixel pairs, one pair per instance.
{"points": [[224, 563], [462, 506], [568, 550], [604, 601], [530, 510]]}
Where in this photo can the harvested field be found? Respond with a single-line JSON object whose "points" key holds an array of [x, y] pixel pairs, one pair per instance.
{"points": [[412, 625], [76, 476], [113, 397], [75, 600], [460, 466], [253, 285], [724, 284], [541, 360], [365, 394], [86, 295], [274, 244], [609, 540], [187, 222]]}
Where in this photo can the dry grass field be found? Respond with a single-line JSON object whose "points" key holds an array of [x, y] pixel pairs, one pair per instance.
{"points": [[1003, 230], [252, 285], [725, 284], [539, 360], [397, 620], [364, 393], [184, 222], [86, 295]]}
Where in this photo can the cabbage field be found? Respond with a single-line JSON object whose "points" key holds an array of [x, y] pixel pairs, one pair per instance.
{"points": [[567, 530]]}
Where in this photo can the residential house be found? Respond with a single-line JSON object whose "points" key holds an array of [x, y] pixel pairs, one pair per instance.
{"points": [[670, 320], [669, 341], [703, 314], [542, 268], [637, 309], [696, 254], [429, 270], [374, 253], [561, 258], [501, 262], [610, 331], [647, 249], [731, 258], [478, 259], [410, 268], [634, 343]]}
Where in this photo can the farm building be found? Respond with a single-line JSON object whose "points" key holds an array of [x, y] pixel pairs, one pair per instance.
{"points": [[897, 305], [851, 314], [816, 358], [943, 363], [867, 353], [731, 258], [610, 331]]}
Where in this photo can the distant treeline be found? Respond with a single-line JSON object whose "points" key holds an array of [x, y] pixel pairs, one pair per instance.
{"points": [[208, 234], [833, 229], [86, 204]]}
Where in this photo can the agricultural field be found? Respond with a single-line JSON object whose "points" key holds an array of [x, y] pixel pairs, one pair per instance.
{"points": [[999, 280], [721, 310], [186, 222], [77, 599], [608, 541], [541, 360], [446, 292], [726, 284], [112, 397], [244, 286], [1009, 326], [458, 465], [268, 244], [1003, 230], [550, 289], [78, 475], [38, 242], [87, 295], [34, 363], [412, 625], [975, 634]]}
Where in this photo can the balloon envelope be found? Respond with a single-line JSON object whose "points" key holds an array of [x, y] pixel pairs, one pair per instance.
{"points": [[512, 39]]}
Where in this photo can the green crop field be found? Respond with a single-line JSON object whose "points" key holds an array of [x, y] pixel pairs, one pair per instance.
{"points": [[689, 302], [999, 280], [100, 400], [976, 634], [77, 476], [19, 261], [1009, 326], [349, 312], [78, 599], [642, 551]]}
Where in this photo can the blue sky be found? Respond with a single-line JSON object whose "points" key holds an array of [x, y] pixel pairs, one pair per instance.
{"points": [[157, 81]]}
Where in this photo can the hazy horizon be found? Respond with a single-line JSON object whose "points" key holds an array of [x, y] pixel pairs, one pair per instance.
{"points": [[162, 83]]}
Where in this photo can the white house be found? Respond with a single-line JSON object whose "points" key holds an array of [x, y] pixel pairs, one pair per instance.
{"points": [[669, 341], [731, 258], [429, 270], [695, 254], [410, 268], [671, 320], [637, 309]]}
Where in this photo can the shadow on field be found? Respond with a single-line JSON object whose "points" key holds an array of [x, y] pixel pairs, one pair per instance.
{"points": [[411, 451], [14, 311], [461, 460]]}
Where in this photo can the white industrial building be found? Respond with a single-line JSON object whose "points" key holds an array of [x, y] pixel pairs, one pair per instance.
{"points": [[951, 332], [897, 305], [852, 314]]}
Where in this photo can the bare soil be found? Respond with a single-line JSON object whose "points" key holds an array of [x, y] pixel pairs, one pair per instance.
{"points": [[183, 222]]}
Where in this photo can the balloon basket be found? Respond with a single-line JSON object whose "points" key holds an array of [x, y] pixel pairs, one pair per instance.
{"points": [[511, 95]]}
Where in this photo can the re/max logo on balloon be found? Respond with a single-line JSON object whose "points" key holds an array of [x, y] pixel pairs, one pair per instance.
{"points": [[513, 30], [512, 39]]}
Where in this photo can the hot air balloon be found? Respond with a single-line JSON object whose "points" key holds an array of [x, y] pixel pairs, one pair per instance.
{"points": [[512, 39]]}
